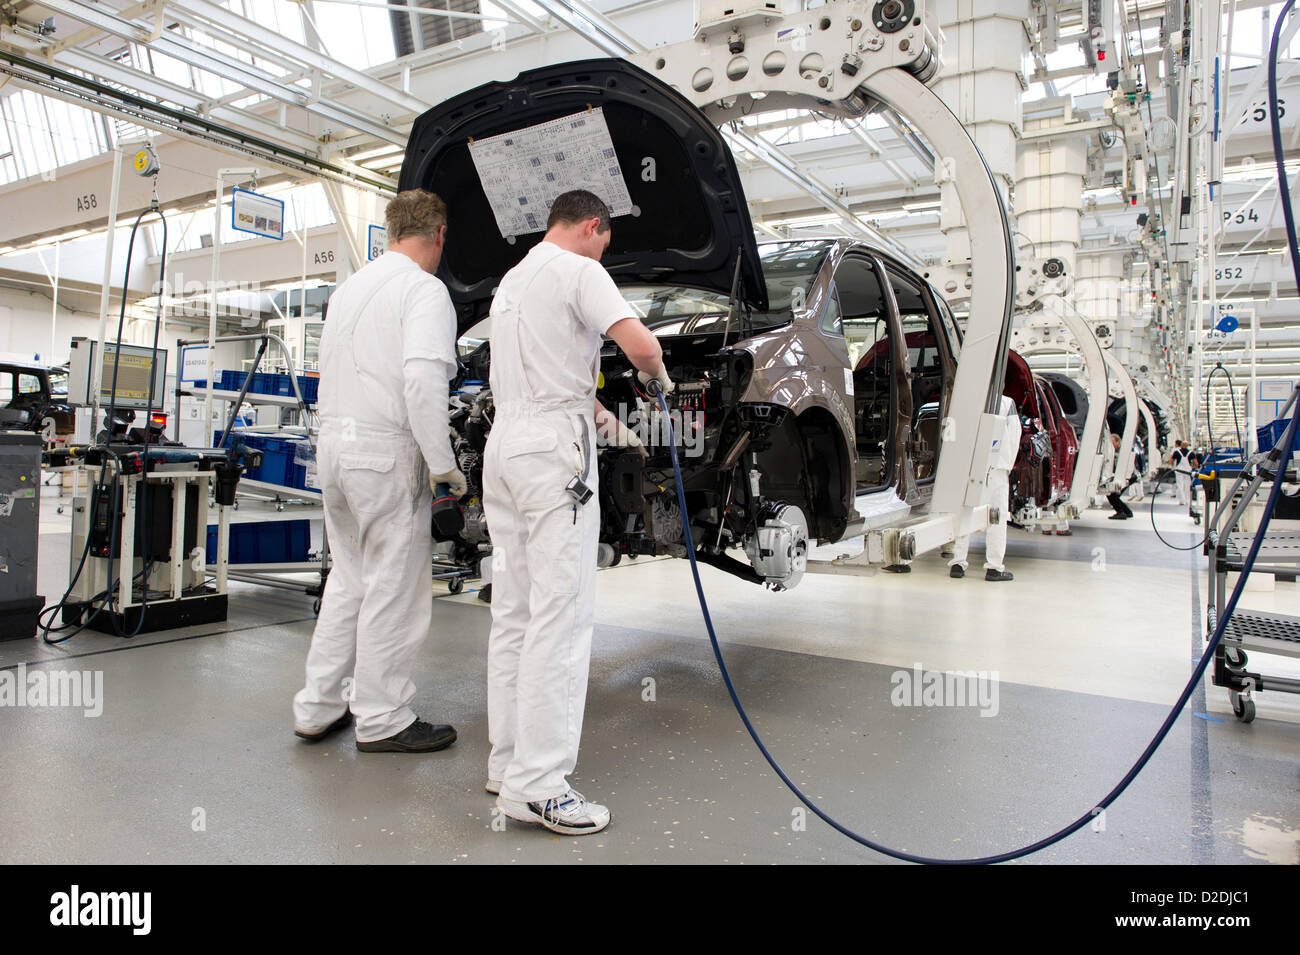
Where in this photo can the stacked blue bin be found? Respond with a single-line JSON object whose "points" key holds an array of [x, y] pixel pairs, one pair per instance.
{"points": [[1271, 433], [269, 383], [270, 542]]}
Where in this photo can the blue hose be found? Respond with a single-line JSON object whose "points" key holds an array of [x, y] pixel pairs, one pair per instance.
{"points": [[1060, 834], [1288, 442]]}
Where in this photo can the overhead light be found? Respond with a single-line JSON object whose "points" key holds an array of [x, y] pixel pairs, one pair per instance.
{"points": [[927, 205], [796, 222], [386, 150]]}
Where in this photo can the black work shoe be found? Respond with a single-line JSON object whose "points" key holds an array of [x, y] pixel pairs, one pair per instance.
{"points": [[992, 574], [419, 737], [1117, 517], [956, 571], [899, 568], [342, 723]]}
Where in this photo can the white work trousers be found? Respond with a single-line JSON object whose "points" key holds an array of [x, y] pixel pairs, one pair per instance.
{"points": [[1183, 483], [995, 538], [543, 597], [378, 603]]}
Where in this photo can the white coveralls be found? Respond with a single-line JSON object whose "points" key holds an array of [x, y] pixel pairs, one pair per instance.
{"points": [[997, 493], [548, 317], [386, 354], [1183, 475]]}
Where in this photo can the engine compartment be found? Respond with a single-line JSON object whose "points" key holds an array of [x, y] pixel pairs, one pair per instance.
{"points": [[741, 483]]}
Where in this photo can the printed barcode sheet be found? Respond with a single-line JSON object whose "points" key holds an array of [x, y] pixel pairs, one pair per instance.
{"points": [[522, 172]]}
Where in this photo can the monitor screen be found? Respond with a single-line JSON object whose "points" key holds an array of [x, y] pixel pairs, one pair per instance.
{"points": [[135, 366]]}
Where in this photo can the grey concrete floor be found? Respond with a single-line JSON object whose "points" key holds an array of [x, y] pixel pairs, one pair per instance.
{"points": [[196, 728]]}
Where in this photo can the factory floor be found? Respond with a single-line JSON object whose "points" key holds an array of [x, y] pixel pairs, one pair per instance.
{"points": [[193, 759]]}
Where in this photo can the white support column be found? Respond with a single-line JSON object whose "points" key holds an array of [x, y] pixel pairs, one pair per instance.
{"points": [[982, 83], [1099, 292], [1049, 194]]}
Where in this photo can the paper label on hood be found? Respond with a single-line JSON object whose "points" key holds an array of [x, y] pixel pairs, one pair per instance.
{"points": [[522, 172]]}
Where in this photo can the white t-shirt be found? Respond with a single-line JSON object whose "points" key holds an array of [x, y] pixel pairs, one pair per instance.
{"points": [[548, 316]]}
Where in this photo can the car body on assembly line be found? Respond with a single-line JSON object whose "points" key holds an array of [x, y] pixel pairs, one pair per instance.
{"points": [[813, 375], [1044, 469]]}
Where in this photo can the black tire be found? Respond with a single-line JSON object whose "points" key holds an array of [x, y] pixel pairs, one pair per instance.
{"points": [[456, 584]]}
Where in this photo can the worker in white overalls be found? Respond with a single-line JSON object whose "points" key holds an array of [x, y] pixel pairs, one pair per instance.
{"points": [[998, 495], [386, 354], [1181, 459], [542, 505]]}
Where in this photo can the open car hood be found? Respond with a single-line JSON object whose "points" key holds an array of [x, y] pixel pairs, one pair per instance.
{"points": [[690, 220]]}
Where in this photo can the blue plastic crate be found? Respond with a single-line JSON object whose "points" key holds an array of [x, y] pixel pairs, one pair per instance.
{"points": [[277, 465], [310, 388], [231, 381], [272, 542], [1271, 433]]}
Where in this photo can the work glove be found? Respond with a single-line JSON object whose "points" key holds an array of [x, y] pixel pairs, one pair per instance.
{"points": [[454, 479], [619, 435], [662, 378]]}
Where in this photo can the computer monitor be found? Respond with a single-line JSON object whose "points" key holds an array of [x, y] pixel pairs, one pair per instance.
{"points": [[135, 365]]}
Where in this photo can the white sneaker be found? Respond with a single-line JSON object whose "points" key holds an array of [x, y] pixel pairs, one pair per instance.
{"points": [[569, 815], [493, 786]]}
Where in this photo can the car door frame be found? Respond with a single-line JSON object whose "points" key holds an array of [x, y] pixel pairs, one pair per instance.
{"points": [[948, 367], [899, 476]]}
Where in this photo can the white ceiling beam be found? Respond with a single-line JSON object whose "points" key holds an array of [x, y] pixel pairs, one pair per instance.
{"points": [[228, 67], [270, 39]]}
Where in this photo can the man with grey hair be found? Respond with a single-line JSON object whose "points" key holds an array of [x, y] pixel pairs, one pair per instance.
{"points": [[386, 355]]}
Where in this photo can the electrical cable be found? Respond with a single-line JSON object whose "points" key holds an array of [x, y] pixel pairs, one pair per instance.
{"points": [[1164, 212], [1236, 417], [148, 409], [1155, 492], [1286, 447]]}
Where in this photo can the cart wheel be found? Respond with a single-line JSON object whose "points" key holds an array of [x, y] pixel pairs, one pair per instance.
{"points": [[1244, 710], [633, 556], [236, 505], [315, 607], [1235, 658], [279, 505], [59, 509], [456, 584]]}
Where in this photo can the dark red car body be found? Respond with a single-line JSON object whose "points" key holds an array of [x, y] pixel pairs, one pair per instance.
{"points": [[1049, 447]]}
